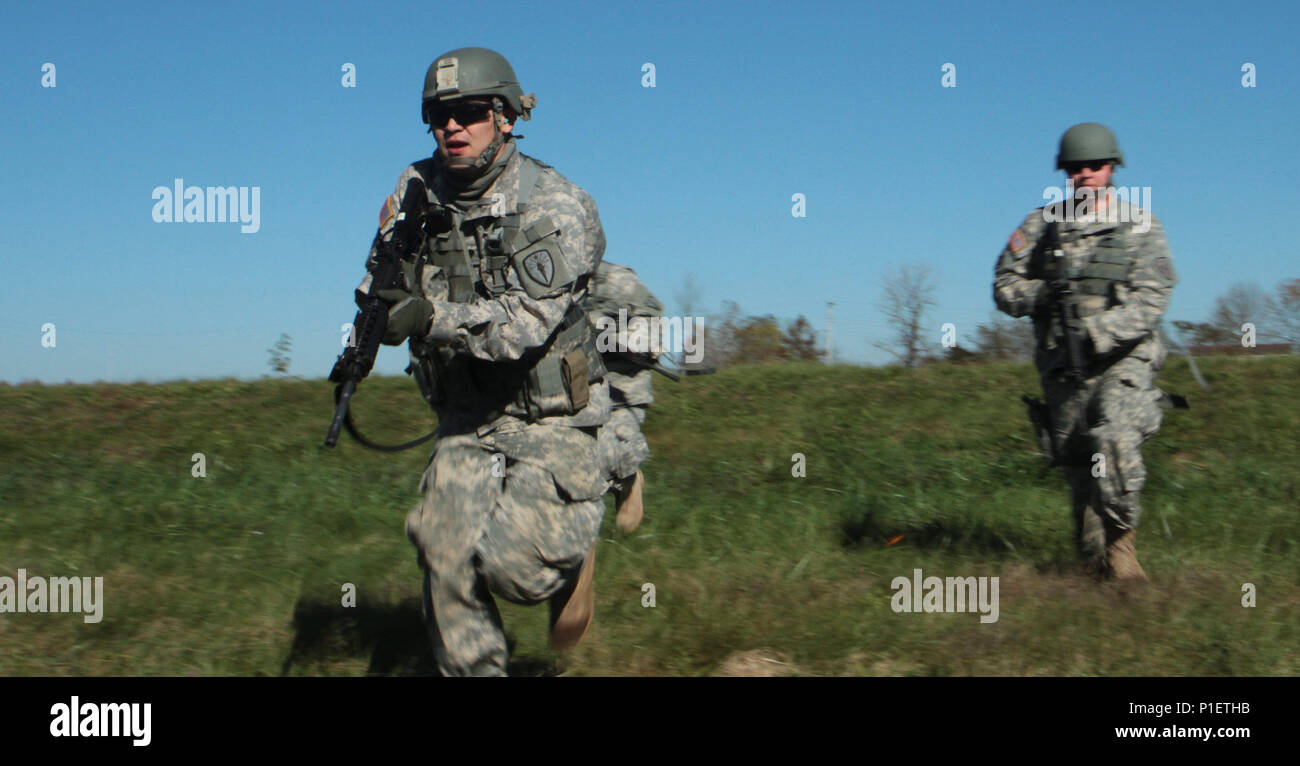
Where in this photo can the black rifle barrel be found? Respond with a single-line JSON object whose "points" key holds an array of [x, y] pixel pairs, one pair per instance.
{"points": [[646, 364]]}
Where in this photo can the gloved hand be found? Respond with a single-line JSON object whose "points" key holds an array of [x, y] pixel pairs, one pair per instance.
{"points": [[1050, 293], [408, 315]]}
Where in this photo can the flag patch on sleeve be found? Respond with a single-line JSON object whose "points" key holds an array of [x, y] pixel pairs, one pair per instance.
{"points": [[386, 211], [1017, 241]]}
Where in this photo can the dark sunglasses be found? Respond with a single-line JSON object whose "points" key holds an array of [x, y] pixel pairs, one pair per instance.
{"points": [[1076, 167], [465, 113]]}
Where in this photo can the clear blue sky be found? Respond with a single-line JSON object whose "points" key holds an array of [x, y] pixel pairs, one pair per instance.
{"points": [[754, 102]]}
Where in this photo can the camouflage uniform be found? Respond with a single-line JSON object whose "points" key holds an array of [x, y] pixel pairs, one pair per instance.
{"points": [[1117, 407], [511, 501], [621, 445]]}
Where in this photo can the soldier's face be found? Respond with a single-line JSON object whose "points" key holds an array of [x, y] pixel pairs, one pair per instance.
{"points": [[1090, 175], [460, 142]]}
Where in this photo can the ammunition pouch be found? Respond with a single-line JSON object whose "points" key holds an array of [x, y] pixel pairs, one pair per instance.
{"points": [[559, 383], [556, 381], [1109, 264]]}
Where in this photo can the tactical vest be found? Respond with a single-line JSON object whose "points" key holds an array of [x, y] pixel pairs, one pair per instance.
{"points": [[551, 380], [1107, 265], [1094, 282]]}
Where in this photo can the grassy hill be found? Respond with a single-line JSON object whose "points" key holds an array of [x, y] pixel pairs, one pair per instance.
{"points": [[755, 571]]}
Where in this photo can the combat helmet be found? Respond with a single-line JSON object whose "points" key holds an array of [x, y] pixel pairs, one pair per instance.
{"points": [[469, 72], [1088, 141], [476, 72]]}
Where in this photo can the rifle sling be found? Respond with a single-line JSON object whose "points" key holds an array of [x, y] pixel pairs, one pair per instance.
{"points": [[363, 441]]}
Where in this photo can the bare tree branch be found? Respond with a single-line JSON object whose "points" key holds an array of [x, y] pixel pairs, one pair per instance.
{"points": [[907, 292]]}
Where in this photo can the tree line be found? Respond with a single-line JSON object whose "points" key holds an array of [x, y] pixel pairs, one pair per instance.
{"points": [[908, 295]]}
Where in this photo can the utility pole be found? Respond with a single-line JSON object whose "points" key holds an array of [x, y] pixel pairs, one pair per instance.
{"points": [[830, 332]]}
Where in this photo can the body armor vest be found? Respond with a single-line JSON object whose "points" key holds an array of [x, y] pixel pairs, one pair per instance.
{"points": [[1107, 265], [551, 380], [1094, 281]]}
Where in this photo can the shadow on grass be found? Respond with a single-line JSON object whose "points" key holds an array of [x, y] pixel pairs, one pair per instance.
{"points": [[393, 635], [869, 531]]}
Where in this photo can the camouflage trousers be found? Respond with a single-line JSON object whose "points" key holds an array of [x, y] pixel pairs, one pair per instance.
{"points": [[1099, 428], [507, 513], [621, 446]]}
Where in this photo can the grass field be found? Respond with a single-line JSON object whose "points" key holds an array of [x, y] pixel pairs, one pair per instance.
{"points": [[755, 571]]}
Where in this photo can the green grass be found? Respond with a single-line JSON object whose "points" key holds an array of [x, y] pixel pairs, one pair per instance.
{"points": [[755, 570]]}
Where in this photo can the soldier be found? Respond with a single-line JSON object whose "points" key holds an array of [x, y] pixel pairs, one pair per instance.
{"points": [[1103, 266], [502, 350], [621, 445]]}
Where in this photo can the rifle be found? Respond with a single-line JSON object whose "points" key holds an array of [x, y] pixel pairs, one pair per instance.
{"points": [[1067, 313], [1040, 416], [358, 359], [646, 364]]}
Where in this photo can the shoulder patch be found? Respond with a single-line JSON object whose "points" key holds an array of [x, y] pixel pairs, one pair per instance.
{"points": [[540, 266], [1017, 241], [387, 211]]}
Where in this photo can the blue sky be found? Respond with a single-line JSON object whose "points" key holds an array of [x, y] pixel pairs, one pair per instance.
{"points": [[753, 103]]}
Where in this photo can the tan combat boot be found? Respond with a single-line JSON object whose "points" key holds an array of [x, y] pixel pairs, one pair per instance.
{"points": [[1121, 558], [628, 504], [571, 616]]}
